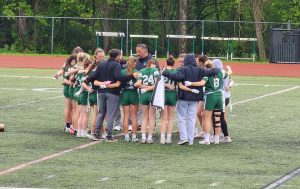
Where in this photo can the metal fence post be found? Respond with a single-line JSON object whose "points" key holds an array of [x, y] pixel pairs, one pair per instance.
{"points": [[127, 33], [202, 36], [52, 35]]}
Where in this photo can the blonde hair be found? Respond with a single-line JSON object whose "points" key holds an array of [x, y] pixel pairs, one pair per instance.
{"points": [[130, 65], [81, 58]]}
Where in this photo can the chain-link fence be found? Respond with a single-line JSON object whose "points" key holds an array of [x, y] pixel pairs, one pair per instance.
{"points": [[61, 34]]}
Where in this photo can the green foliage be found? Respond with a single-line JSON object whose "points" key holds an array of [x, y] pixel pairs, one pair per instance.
{"points": [[36, 34]]}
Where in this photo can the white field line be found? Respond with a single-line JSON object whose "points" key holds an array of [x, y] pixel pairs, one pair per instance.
{"points": [[27, 77], [34, 89], [257, 84], [13, 89], [283, 179], [24, 165], [21, 166], [31, 102], [47, 77], [266, 95]]}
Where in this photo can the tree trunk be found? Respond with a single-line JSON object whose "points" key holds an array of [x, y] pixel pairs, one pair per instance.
{"points": [[145, 16], [257, 14], [106, 27], [22, 28], [36, 11], [182, 25], [217, 17]]}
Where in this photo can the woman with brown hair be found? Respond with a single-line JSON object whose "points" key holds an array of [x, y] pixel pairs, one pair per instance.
{"points": [[129, 99], [146, 82]]}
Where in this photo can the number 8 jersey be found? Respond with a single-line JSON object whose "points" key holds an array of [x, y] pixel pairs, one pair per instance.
{"points": [[214, 84]]}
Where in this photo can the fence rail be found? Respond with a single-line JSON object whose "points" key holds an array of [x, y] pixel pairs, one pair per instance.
{"points": [[46, 34]]}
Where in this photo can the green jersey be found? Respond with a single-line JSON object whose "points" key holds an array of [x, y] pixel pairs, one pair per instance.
{"points": [[91, 84], [79, 78], [66, 69], [148, 76], [170, 81], [129, 84], [214, 84]]}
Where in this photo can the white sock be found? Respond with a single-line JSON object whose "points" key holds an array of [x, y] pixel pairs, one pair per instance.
{"points": [[78, 133], [217, 139], [83, 133], [143, 136], [133, 135], [206, 137], [169, 136], [162, 137], [126, 135], [150, 137]]}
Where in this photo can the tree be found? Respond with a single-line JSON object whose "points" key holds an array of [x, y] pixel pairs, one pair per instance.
{"points": [[257, 14], [182, 24], [106, 27]]}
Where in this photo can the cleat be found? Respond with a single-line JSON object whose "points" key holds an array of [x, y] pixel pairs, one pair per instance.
{"points": [[204, 142], [110, 139], [134, 140], [150, 141], [94, 137], [117, 128], [144, 141], [182, 142], [127, 139], [226, 140]]}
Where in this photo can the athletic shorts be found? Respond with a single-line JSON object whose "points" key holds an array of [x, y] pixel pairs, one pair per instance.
{"points": [[76, 89], [93, 98], [146, 98], [170, 98], [71, 93], [129, 97], [82, 99], [66, 91], [213, 102]]}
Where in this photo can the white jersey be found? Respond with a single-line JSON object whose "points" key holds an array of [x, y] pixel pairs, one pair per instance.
{"points": [[226, 83]]}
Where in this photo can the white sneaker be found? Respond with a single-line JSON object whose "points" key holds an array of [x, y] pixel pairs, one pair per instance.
{"points": [[117, 128], [150, 141], [78, 135], [204, 142], [129, 127], [227, 140], [143, 141], [103, 136], [134, 140], [84, 134], [169, 141], [162, 141]]}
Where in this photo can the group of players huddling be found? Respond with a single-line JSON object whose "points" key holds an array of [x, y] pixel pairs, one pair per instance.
{"points": [[197, 88]]}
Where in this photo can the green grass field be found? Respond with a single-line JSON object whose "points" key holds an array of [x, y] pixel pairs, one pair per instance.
{"points": [[265, 132]]}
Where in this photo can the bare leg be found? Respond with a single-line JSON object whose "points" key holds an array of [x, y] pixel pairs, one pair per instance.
{"points": [[145, 113], [133, 113]]}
